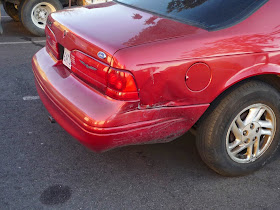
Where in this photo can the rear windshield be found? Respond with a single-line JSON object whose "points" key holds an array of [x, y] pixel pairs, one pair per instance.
{"points": [[207, 14]]}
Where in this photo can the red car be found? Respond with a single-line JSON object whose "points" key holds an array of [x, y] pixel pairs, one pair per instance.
{"points": [[141, 71]]}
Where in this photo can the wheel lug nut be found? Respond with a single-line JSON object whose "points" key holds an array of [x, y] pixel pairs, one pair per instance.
{"points": [[245, 133], [258, 129], [252, 126], [247, 141]]}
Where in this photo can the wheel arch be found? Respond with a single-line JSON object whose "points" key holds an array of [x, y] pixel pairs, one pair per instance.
{"points": [[267, 73], [213, 133]]}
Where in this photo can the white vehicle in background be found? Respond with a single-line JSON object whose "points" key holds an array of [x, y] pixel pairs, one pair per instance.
{"points": [[33, 13]]}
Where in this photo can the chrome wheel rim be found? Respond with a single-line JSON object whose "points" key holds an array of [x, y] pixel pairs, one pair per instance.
{"points": [[251, 133], [40, 13]]}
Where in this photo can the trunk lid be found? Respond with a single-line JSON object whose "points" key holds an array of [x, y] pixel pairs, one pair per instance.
{"points": [[110, 27]]}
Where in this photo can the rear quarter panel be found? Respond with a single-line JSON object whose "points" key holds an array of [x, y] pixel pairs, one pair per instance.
{"points": [[247, 49]]}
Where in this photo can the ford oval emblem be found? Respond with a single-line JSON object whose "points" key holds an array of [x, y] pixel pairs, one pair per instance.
{"points": [[101, 55]]}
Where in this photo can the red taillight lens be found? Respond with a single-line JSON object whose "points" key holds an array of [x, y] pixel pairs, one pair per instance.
{"points": [[116, 80], [114, 83], [121, 85], [89, 69], [51, 43]]}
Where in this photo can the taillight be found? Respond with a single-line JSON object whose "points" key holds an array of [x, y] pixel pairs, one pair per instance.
{"points": [[89, 69], [121, 85], [114, 83], [51, 43]]}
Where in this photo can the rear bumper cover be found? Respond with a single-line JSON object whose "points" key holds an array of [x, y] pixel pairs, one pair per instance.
{"points": [[102, 123]]}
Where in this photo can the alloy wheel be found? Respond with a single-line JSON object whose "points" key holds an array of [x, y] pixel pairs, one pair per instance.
{"points": [[251, 133]]}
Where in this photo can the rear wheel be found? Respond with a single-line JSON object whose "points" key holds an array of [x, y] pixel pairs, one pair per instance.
{"points": [[34, 14], [11, 10], [241, 134]]}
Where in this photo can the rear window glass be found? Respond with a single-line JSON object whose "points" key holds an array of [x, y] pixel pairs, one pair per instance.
{"points": [[207, 14]]}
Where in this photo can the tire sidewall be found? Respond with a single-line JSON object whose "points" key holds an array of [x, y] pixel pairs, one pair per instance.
{"points": [[11, 10], [26, 8], [267, 96]]}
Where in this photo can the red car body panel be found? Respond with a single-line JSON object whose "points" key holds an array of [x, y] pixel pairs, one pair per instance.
{"points": [[100, 122], [163, 56]]}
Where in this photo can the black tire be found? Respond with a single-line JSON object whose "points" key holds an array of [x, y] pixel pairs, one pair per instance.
{"points": [[26, 8], [11, 10], [214, 129]]}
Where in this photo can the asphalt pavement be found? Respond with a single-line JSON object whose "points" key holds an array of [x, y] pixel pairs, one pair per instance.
{"points": [[43, 167]]}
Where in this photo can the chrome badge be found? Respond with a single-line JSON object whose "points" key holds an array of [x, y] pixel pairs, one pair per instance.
{"points": [[101, 55], [88, 66]]}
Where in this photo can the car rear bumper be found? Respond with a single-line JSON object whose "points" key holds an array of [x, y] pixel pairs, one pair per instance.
{"points": [[102, 123]]}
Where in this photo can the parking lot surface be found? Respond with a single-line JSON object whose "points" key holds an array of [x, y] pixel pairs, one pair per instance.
{"points": [[41, 166]]}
